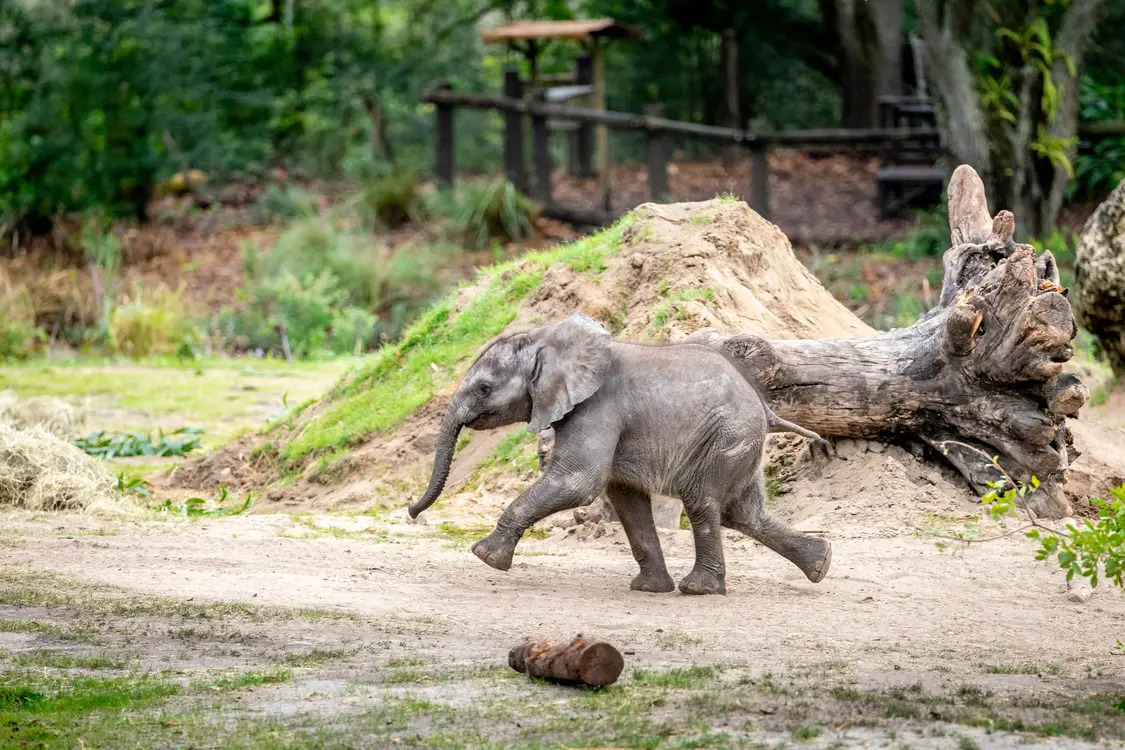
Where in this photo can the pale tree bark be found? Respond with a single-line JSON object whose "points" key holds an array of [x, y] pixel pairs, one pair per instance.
{"points": [[961, 117]]}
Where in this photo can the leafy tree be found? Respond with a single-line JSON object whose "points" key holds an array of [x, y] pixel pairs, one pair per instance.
{"points": [[1007, 76]]}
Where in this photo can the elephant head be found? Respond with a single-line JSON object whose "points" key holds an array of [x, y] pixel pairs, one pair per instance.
{"points": [[535, 376]]}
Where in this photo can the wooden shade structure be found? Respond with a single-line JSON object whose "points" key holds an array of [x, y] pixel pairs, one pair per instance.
{"points": [[529, 35]]}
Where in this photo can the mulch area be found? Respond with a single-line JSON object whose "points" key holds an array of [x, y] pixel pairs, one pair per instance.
{"points": [[814, 199]]}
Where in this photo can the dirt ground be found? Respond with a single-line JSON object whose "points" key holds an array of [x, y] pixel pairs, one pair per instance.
{"points": [[388, 633]]}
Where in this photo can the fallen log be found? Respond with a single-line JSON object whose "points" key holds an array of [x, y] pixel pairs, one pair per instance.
{"points": [[984, 367], [576, 663]]}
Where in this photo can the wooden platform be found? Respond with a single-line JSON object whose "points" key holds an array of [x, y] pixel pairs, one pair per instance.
{"points": [[900, 186]]}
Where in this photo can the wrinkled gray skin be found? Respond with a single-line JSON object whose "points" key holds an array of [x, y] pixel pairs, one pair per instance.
{"points": [[629, 420]]}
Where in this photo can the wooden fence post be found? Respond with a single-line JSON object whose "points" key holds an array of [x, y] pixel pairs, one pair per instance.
{"points": [[759, 178], [656, 144], [443, 143], [583, 138], [513, 133], [540, 153]]}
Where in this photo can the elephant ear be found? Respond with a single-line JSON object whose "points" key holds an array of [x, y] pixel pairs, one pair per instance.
{"points": [[570, 362]]}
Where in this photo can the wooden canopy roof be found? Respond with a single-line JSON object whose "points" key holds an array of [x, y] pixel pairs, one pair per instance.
{"points": [[521, 31]]}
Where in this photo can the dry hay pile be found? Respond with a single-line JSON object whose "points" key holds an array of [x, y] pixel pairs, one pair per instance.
{"points": [[40, 471], [55, 415]]}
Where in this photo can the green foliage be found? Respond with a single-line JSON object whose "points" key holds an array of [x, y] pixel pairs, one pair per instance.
{"points": [[124, 444], [150, 324], [198, 507], [1100, 171], [482, 211], [929, 238], [286, 202], [390, 201], [17, 339], [312, 248], [1092, 549], [1095, 543]]}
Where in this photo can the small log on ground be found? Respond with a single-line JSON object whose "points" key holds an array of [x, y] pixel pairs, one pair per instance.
{"points": [[983, 368], [579, 662]]}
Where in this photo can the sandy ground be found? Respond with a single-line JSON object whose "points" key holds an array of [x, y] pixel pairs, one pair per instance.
{"points": [[894, 613]]}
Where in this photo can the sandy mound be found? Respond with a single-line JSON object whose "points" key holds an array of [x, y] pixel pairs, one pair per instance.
{"points": [[39, 471], [666, 272]]}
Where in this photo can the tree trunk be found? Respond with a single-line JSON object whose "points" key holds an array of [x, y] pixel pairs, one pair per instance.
{"points": [[380, 143], [857, 33], [732, 116], [961, 118], [982, 368], [578, 662], [870, 41]]}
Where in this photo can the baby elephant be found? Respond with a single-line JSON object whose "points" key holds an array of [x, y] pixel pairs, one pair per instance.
{"points": [[629, 420]]}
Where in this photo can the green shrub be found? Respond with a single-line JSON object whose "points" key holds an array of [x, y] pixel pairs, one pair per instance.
{"points": [[311, 248], [153, 323], [280, 202], [482, 211], [391, 201], [929, 238], [310, 315], [1100, 171], [18, 334]]}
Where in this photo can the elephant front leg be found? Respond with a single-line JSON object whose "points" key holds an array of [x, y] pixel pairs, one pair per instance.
{"points": [[634, 510], [710, 571], [550, 494]]}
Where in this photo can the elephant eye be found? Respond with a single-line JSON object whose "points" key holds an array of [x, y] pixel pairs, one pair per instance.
{"points": [[484, 389]]}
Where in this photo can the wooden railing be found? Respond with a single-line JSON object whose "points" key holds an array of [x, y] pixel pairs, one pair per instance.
{"points": [[657, 130]]}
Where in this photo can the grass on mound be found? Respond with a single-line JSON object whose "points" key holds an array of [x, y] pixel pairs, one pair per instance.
{"points": [[403, 376]]}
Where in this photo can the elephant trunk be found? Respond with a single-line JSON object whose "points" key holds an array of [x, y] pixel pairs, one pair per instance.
{"points": [[443, 457]]}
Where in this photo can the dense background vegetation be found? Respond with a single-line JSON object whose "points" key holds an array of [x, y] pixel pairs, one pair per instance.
{"points": [[105, 104]]}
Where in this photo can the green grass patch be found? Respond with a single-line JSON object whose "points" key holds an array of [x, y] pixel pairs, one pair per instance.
{"points": [[681, 677], [242, 680], [62, 660], [673, 306], [400, 377], [77, 633], [38, 710]]}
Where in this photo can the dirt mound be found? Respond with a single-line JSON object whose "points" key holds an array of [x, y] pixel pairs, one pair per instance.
{"points": [[662, 273]]}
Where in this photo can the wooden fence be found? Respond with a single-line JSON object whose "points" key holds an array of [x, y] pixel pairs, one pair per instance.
{"points": [[657, 129]]}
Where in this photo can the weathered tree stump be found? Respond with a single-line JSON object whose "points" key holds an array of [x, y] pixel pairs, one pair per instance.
{"points": [[576, 663], [983, 368], [1099, 277]]}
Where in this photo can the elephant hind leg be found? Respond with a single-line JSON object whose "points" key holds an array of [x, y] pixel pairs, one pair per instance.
{"points": [[634, 510], [710, 572], [748, 514]]}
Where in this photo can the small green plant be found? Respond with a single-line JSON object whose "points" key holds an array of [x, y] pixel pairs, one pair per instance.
{"points": [[391, 201], [124, 444], [278, 202], [132, 486], [483, 210], [152, 323], [805, 733], [1094, 549], [198, 507]]}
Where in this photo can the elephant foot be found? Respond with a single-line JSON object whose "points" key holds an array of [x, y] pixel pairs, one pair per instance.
{"points": [[495, 553], [656, 583], [702, 582], [817, 572]]}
